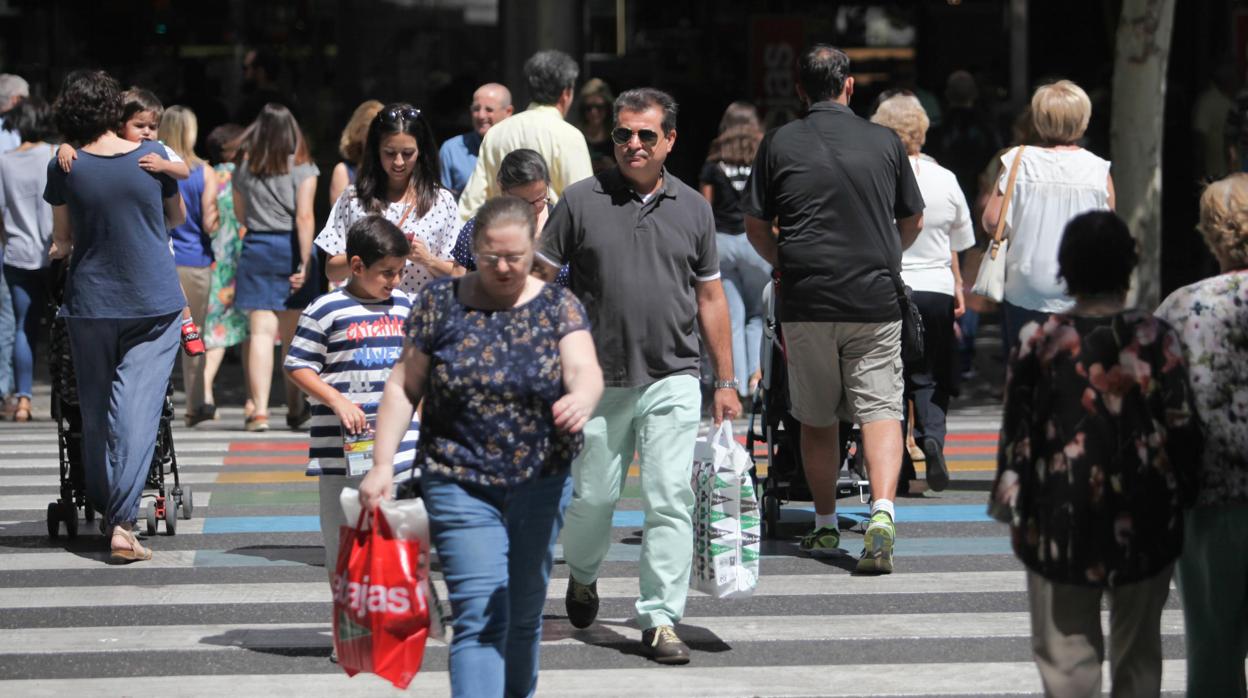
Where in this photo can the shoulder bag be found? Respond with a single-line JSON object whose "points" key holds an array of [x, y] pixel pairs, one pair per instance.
{"points": [[911, 320], [990, 280]]}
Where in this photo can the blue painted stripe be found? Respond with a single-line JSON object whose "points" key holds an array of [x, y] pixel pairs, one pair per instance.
{"points": [[906, 547], [930, 513]]}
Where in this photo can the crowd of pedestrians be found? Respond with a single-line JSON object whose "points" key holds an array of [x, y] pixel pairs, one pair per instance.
{"points": [[523, 310]]}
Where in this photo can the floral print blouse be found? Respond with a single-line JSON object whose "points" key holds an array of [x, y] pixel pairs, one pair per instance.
{"points": [[1101, 437], [494, 376], [1211, 317]]}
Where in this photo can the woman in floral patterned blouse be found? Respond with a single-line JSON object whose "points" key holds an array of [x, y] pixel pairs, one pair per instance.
{"points": [[509, 376], [1211, 317], [1096, 461]]}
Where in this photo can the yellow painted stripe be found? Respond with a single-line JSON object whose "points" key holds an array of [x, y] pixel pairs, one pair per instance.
{"points": [[971, 466], [263, 477]]}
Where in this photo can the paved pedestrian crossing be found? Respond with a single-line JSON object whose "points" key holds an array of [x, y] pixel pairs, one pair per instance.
{"points": [[237, 602]]}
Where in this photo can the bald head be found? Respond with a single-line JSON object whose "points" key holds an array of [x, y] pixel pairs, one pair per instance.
{"points": [[491, 103]]}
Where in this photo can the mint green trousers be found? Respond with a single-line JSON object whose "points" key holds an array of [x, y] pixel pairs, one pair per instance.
{"points": [[659, 422]]}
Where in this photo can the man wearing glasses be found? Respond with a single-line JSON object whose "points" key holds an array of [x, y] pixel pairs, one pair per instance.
{"points": [[640, 245], [491, 103], [551, 76]]}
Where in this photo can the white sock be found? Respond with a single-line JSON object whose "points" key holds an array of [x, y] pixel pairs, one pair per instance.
{"points": [[822, 520], [885, 505]]}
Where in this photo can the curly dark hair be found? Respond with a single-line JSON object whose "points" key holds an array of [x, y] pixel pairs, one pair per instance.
{"points": [[88, 106]]}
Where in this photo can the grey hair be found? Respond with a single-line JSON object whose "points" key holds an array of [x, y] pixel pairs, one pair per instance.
{"points": [[643, 98], [12, 86], [549, 73], [502, 210], [522, 166]]}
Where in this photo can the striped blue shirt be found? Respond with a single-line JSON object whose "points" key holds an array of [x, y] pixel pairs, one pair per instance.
{"points": [[352, 344]]}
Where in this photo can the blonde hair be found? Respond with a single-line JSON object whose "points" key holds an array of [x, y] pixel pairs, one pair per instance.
{"points": [[905, 115], [1060, 112], [178, 129], [351, 142], [1224, 219]]}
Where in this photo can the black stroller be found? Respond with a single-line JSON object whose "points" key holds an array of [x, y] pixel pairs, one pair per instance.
{"points": [[166, 505], [771, 423]]}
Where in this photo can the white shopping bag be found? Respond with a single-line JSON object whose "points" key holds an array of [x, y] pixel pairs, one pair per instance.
{"points": [[726, 525], [409, 521]]}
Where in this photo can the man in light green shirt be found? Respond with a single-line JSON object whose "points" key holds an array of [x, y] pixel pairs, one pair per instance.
{"points": [[551, 76]]}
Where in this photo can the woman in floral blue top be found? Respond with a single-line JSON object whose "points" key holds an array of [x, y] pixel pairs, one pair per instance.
{"points": [[1211, 316], [508, 373], [1097, 459]]}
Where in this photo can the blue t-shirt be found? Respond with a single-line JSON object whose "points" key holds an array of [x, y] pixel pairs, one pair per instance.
{"points": [[121, 266], [352, 344], [191, 246], [459, 158]]}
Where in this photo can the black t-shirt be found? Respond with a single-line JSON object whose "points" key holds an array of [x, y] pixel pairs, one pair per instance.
{"points": [[727, 184], [838, 237]]}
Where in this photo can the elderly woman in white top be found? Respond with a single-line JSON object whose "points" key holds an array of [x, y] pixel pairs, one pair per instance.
{"points": [[1057, 181], [930, 268]]}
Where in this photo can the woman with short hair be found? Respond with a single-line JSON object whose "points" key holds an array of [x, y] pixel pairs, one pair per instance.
{"points": [[1057, 180], [122, 299], [1096, 461], [930, 268], [1211, 317]]}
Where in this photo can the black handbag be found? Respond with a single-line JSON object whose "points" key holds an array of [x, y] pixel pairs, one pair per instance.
{"points": [[911, 320]]}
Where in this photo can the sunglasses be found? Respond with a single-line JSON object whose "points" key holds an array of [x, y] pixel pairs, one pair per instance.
{"points": [[396, 113], [621, 136]]}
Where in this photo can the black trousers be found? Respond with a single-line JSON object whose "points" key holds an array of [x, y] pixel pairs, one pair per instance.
{"points": [[931, 384]]}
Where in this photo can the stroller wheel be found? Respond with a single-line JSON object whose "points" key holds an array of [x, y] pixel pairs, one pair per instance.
{"points": [[54, 521], [69, 514], [151, 518], [171, 516], [771, 516], [186, 503]]}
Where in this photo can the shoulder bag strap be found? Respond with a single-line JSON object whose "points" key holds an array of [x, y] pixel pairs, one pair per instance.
{"points": [[834, 161], [995, 245]]}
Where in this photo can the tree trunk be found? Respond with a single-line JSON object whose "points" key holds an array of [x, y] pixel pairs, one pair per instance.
{"points": [[1142, 50]]}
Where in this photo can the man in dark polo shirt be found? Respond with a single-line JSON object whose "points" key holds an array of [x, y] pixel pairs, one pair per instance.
{"points": [[846, 201], [641, 248]]}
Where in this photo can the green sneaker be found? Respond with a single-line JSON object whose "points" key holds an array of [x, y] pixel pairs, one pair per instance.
{"points": [[822, 542], [877, 545]]}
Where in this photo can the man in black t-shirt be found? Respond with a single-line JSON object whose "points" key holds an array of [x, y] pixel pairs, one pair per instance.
{"points": [[841, 190]]}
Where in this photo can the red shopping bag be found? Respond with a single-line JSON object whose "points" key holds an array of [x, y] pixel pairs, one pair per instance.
{"points": [[381, 615]]}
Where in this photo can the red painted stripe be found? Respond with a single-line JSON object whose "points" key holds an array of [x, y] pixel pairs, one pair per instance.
{"points": [[265, 460], [973, 436], [267, 446]]}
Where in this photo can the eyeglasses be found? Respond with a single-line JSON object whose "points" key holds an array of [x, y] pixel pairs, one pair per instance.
{"points": [[396, 113], [491, 260], [622, 136], [540, 202]]}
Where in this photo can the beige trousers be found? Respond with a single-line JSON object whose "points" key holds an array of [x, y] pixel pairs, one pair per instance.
{"points": [[196, 284]]}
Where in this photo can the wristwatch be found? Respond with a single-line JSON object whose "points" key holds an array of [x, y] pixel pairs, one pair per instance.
{"points": [[725, 385]]}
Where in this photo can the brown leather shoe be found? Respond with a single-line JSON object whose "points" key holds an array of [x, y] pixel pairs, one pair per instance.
{"points": [[663, 645]]}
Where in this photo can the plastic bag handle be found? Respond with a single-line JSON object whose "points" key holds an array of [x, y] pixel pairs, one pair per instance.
{"points": [[723, 434]]}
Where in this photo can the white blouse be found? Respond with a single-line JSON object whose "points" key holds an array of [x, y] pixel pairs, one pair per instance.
{"points": [[927, 265], [1053, 186], [438, 229]]}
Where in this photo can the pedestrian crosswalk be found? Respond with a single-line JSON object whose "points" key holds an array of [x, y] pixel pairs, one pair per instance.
{"points": [[237, 602]]}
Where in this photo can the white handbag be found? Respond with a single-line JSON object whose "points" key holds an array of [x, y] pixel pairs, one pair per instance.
{"points": [[990, 281]]}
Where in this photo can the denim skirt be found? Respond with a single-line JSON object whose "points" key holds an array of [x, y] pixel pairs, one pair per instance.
{"points": [[262, 281]]}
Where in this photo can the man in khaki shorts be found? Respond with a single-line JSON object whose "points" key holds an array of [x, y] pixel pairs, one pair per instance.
{"points": [[844, 196]]}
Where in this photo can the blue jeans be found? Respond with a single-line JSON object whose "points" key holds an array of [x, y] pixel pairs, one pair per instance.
{"points": [[28, 290], [8, 335], [745, 274], [496, 546], [123, 369]]}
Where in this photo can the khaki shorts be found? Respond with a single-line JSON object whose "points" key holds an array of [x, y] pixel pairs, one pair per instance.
{"points": [[844, 371]]}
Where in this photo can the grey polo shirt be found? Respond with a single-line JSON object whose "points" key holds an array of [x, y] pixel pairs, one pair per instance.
{"points": [[634, 266]]}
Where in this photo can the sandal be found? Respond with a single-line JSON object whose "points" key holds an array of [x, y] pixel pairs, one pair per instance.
{"points": [[22, 413], [256, 422], [135, 553]]}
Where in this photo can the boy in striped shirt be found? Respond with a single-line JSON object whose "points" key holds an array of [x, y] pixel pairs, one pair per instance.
{"points": [[346, 343]]}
